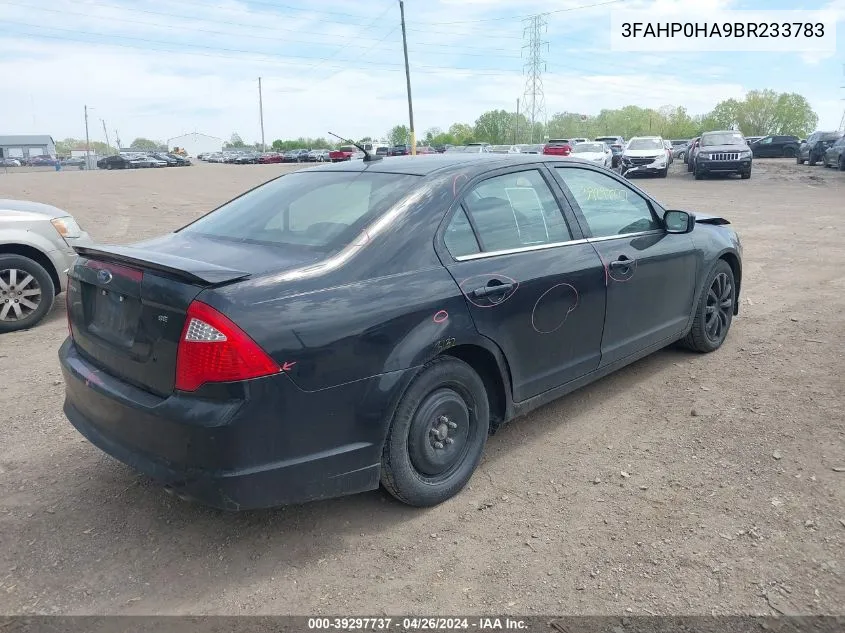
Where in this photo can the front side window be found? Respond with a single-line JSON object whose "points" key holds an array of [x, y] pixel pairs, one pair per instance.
{"points": [[609, 207], [322, 211], [515, 210]]}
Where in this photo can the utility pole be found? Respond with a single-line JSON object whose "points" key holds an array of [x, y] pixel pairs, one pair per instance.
{"points": [[106, 132], [516, 130], [87, 142], [261, 115], [534, 67], [117, 140], [842, 122], [408, 80]]}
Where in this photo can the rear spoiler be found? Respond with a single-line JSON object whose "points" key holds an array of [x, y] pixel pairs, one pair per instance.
{"points": [[191, 270]]}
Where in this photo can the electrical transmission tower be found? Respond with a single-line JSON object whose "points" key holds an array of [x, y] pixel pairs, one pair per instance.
{"points": [[535, 65]]}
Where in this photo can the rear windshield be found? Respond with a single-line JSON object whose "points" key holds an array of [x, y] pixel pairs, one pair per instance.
{"points": [[583, 148], [321, 211]]}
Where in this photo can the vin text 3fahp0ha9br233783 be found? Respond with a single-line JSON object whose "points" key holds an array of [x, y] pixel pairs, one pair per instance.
{"points": [[371, 322]]}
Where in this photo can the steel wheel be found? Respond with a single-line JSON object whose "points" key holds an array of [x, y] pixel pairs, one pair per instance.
{"points": [[20, 295], [719, 308], [437, 442]]}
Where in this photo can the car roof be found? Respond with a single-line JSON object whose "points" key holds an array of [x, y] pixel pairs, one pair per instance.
{"points": [[428, 164]]}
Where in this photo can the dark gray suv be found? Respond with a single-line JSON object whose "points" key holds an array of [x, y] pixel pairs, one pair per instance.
{"points": [[812, 150]]}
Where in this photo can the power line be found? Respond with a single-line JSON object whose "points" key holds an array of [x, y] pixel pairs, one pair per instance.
{"points": [[535, 102], [277, 59], [524, 17]]}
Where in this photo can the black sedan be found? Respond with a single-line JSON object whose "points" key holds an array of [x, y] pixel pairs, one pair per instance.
{"points": [[114, 162], [371, 322]]}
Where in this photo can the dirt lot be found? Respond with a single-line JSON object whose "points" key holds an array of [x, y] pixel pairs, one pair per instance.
{"points": [[734, 503]]}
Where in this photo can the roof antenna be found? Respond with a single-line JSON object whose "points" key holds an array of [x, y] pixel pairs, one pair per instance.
{"points": [[368, 158]]}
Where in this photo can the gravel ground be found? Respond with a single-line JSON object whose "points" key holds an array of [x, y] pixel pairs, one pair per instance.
{"points": [[683, 484]]}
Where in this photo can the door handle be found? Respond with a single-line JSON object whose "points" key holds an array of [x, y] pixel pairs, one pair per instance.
{"points": [[486, 291], [621, 263]]}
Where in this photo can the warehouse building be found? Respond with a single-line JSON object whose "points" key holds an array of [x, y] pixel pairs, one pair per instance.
{"points": [[26, 145], [195, 143]]}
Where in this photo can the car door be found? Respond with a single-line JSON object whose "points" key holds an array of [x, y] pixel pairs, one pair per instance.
{"points": [[650, 274], [532, 284], [765, 147]]}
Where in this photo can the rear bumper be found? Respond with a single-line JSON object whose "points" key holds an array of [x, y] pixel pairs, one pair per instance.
{"points": [[272, 445], [726, 166]]}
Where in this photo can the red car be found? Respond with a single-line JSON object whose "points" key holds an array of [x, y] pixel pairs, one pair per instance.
{"points": [[270, 157], [557, 147], [342, 153]]}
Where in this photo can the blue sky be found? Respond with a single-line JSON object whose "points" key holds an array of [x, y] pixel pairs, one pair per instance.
{"points": [[159, 68]]}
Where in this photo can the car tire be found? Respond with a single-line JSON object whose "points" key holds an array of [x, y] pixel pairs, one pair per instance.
{"points": [[842, 163], [108, 165], [41, 277], [745, 174], [446, 401], [690, 166], [788, 152], [699, 175], [664, 172], [811, 160], [700, 338], [799, 160]]}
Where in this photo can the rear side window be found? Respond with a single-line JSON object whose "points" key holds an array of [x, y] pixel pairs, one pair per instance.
{"points": [[515, 210], [320, 210]]}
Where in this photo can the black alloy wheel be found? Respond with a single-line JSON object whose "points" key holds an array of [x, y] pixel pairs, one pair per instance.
{"points": [[715, 310]]}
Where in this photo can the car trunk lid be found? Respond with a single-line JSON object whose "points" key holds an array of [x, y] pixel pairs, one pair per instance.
{"points": [[127, 305]]}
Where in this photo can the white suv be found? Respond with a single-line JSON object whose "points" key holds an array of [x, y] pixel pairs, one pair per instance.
{"points": [[645, 155]]}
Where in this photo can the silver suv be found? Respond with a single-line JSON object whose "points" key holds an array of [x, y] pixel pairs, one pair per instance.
{"points": [[36, 249]]}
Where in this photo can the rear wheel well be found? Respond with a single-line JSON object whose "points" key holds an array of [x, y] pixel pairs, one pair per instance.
{"points": [[733, 262], [485, 365], [35, 255]]}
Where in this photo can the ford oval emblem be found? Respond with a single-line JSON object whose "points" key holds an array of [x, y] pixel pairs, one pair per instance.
{"points": [[104, 276]]}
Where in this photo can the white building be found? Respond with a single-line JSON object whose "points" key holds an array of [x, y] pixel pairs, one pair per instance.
{"points": [[195, 143]]}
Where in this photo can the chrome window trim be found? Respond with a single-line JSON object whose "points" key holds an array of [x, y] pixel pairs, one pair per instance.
{"points": [[522, 249], [540, 247]]}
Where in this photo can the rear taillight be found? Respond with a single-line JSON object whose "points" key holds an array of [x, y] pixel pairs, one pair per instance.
{"points": [[213, 349]]}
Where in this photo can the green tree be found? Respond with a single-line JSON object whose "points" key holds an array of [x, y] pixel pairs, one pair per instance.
{"points": [[399, 135], [235, 141], [462, 133], [145, 144], [494, 126]]}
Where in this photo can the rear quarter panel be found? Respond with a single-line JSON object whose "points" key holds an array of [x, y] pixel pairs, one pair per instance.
{"points": [[392, 306]]}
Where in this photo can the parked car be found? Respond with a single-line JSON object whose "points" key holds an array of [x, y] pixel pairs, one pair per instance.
{"points": [[36, 250], [350, 325], [247, 158], [679, 148], [617, 146], [423, 150], [10, 162], [400, 150], [382, 151], [689, 158], [140, 161], [343, 153], [117, 161], [73, 161], [530, 148], [557, 147], [575, 141], [595, 152], [504, 149], [813, 149], [322, 155], [835, 155], [752, 139], [775, 146], [723, 152], [167, 158], [645, 155], [270, 157], [42, 161]]}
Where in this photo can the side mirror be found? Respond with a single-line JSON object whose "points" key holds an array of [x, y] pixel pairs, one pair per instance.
{"points": [[678, 221]]}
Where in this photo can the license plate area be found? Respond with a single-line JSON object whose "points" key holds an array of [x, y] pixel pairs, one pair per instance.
{"points": [[112, 316]]}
